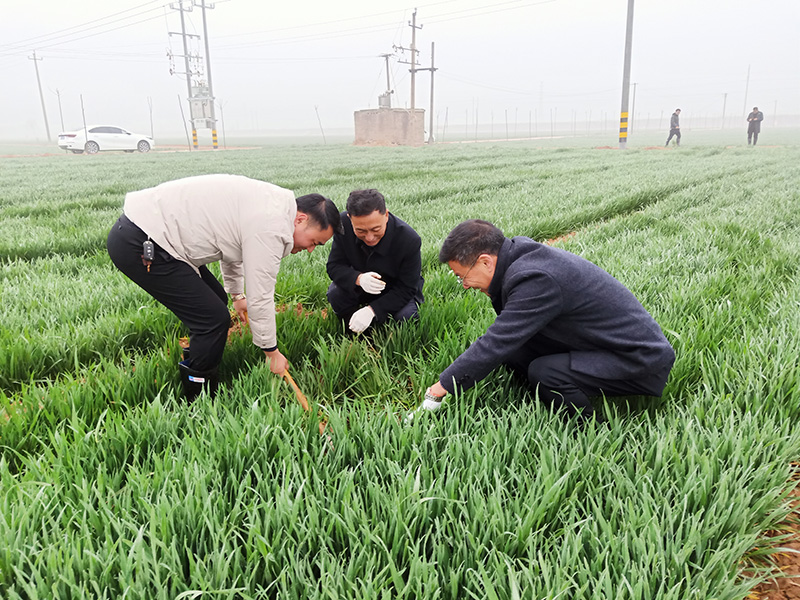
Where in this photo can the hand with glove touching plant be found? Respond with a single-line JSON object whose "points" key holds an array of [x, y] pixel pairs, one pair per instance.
{"points": [[371, 282], [361, 319], [432, 402]]}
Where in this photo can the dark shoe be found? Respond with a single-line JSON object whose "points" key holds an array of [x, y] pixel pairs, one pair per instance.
{"points": [[195, 382]]}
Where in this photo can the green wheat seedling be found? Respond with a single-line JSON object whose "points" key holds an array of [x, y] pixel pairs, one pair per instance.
{"points": [[111, 487]]}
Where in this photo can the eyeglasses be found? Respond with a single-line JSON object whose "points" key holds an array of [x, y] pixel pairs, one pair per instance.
{"points": [[460, 278]]}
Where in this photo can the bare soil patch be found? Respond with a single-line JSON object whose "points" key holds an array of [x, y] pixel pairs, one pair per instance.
{"points": [[785, 584]]}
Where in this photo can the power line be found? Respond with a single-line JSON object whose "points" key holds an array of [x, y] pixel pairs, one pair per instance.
{"points": [[521, 92], [436, 19], [364, 29], [40, 46], [82, 28]]}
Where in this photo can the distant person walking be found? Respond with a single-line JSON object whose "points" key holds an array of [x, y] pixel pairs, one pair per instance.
{"points": [[754, 125], [674, 128]]}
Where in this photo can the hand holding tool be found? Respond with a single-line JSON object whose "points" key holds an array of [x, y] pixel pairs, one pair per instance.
{"points": [[301, 398]]}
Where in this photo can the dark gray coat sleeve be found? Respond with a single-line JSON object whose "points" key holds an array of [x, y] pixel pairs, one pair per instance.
{"points": [[533, 301]]}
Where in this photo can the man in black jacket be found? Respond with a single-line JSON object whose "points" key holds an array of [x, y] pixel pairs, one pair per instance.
{"points": [[674, 127], [754, 125], [569, 327], [374, 265]]}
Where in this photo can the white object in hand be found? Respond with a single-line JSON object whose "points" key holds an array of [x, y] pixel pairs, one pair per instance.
{"points": [[431, 403], [371, 282], [361, 319]]}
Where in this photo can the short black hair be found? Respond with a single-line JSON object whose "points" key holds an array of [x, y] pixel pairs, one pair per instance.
{"points": [[468, 240], [361, 203], [321, 210]]}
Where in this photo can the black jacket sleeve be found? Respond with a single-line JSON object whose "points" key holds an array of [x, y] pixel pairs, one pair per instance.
{"points": [[402, 287]]}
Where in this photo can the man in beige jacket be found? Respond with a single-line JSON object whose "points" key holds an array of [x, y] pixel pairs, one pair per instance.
{"points": [[168, 234]]}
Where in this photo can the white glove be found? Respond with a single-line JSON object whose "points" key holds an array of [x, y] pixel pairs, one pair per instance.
{"points": [[361, 319], [431, 403], [371, 282]]}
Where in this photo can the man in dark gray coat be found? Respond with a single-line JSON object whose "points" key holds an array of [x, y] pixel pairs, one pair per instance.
{"points": [[754, 125], [571, 328], [675, 127]]}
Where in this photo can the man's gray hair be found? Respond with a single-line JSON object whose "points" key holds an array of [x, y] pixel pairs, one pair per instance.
{"points": [[468, 240]]}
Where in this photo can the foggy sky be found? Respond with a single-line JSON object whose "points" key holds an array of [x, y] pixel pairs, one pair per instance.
{"points": [[278, 67]]}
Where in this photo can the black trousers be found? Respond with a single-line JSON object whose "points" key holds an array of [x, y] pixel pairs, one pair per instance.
{"points": [[677, 134], [752, 135], [546, 366], [345, 303], [200, 302]]}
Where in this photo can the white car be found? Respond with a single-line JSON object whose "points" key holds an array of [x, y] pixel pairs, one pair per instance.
{"points": [[104, 137]]}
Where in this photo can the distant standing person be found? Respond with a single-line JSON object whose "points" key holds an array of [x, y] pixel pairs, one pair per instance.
{"points": [[754, 125], [675, 128]]}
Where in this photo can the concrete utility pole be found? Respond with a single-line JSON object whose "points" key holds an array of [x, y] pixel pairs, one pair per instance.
{"points": [[746, 85], [626, 80], [724, 102], [430, 127], [222, 121], [432, 69], [60, 111], [633, 110], [41, 96], [208, 74], [385, 99], [388, 83], [414, 28], [413, 61], [186, 64]]}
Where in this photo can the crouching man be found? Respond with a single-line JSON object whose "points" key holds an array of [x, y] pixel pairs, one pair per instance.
{"points": [[374, 265], [168, 234], [570, 328]]}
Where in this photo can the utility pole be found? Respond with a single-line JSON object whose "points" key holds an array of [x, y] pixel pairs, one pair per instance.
{"points": [[385, 99], [431, 69], [633, 111], [746, 85], [41, 96], [724, 102], [626, 80], [188, 72], [150, 106], [413, 49], [213, 119], [388, 83], [222, 119], [186, 65], [316, 109], [60, 112], [413, 55]]}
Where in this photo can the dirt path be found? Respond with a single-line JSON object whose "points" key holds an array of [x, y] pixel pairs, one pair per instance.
{"points": [[786, 586]]}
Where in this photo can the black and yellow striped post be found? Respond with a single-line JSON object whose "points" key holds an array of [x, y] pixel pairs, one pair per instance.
{"points": [[623, 129], [626, 80], [214, 138], [194, 138]]}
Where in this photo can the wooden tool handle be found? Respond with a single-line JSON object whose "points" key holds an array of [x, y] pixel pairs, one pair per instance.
{"points": [[300, 397], [304, 403]]}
